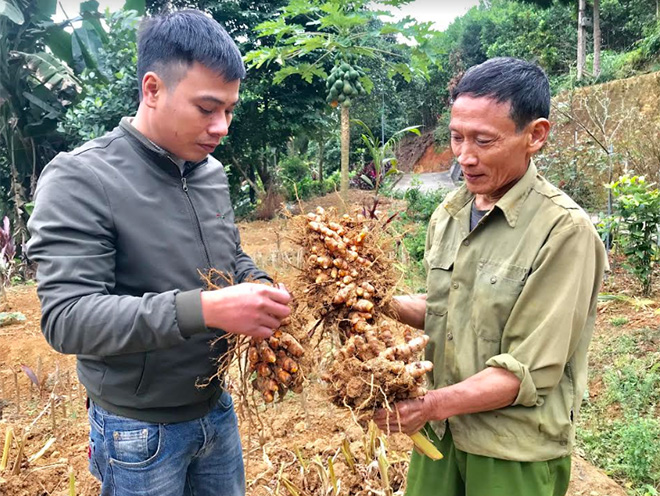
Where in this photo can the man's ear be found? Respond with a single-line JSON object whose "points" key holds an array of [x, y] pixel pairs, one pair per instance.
{"points": [[539, 131], [153, 89]]}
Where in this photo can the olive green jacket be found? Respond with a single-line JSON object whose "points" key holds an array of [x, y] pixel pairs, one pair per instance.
{"points": [[519, 292]]}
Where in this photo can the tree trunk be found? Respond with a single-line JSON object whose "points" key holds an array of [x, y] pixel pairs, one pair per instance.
{"points": [[252, 181], [582, 41], [321, 151], [262, 171], [345, 143], [597, 38]]}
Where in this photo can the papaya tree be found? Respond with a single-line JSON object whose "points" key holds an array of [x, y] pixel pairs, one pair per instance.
{"points": [[313, 35]]}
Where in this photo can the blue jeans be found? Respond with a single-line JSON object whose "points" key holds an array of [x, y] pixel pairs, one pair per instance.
{"points": [[201, 457]]}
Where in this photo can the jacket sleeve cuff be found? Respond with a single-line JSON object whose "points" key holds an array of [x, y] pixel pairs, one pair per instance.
{"points": [[189, 314], [527, 395]]}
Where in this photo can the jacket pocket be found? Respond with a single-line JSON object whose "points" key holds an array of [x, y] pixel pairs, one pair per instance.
{"points": [[145, 378], [438, 282], [496, 289]]}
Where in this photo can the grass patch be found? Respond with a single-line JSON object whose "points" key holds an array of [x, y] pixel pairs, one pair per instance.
{"points": [[618, 321], [619, 430]]}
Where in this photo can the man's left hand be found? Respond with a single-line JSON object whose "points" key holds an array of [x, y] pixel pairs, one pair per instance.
{"points": [[406, 416]]}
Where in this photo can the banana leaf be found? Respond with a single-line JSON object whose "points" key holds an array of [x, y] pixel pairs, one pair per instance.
{"points": [[11, 11]]}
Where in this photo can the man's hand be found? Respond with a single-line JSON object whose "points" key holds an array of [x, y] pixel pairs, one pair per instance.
{"points": [[249, 309], [407, 416], [409, 309], [487, 390]]}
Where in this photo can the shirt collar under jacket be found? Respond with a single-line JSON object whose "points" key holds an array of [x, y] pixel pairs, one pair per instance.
{"points": [[510, 204], [127, 125]]}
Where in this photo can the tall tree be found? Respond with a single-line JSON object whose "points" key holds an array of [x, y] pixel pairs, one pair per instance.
{"points": [[309, 35], [269, 114], [582, 38], [582, 33], [597, 38]]}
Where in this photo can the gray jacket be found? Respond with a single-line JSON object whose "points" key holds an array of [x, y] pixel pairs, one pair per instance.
{"points": [[121, 237]]}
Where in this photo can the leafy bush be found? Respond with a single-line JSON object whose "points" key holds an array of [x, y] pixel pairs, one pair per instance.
{"points": [[619, 430], [649, 46], [636, 221], [619, 65], [626, 448], [634, 384], [298, 183], [577, 171], [366, 178], [414, 223], [383, 159], [110, 95], [441, 134], [294, 168], [421, 205]]}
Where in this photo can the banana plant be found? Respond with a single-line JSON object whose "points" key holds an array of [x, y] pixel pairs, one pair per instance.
{"points": [[34, 86], [40, 64], [382, 154]]}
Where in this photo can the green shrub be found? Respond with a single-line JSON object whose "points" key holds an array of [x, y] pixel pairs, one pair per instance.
{"points": [[421, 205], [294, 168], [620, 429], [577, 171], [627, 448], [633, 384], [113, 94], [636, 220], [413, 222], [307, 187], [650, 45], [618, 321]]}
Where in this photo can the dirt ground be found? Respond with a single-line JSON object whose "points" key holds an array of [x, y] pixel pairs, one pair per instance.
{"points": [[296, 436]]}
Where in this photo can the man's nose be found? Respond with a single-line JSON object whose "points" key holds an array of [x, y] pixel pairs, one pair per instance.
{"points": [[219, 126], [465, 154]]}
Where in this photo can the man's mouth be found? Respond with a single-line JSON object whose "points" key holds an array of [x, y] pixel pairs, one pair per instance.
{"points": [[472, 177], [208, 148]]}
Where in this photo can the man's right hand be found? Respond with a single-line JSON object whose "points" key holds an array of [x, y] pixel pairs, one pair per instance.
{"points": [[249, 309]]}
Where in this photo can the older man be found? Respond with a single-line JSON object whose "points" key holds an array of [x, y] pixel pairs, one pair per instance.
{"points": [[513, 272]]}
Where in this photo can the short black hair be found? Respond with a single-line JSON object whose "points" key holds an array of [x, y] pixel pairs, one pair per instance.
{"points": [[171, 42], [523, 84]]}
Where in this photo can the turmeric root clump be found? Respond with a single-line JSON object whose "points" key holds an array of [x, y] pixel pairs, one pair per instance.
{"points": [[348, 279], [276, 363]]}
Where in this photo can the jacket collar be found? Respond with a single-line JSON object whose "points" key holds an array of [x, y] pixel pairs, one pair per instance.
{"points": [[174, 166], [510, 204]]}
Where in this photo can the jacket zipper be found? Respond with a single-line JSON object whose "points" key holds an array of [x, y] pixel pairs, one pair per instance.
{"points": [[184, 183]]}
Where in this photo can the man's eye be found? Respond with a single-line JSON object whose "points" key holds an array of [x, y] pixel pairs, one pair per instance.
{"points": [[481, 141], [455, 137], [204, 111]]}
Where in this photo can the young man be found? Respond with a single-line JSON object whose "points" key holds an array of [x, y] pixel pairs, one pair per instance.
{"points": [[122, 229], [514, 267]]}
